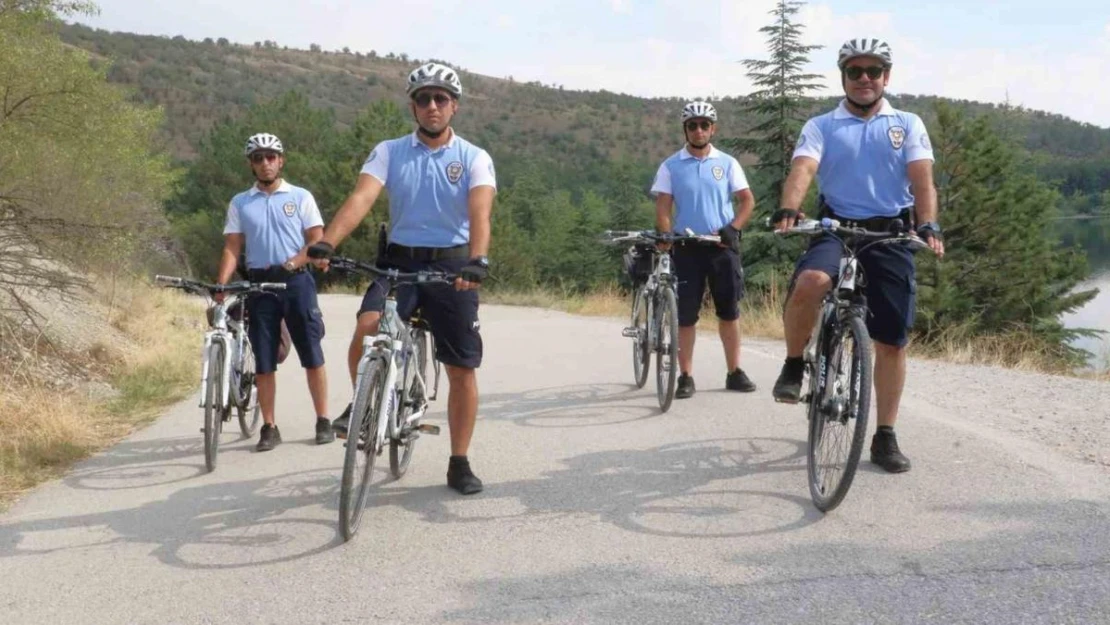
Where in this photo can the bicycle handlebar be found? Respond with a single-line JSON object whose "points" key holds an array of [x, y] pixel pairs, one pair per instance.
{"points": [[652, 236], [241, 286], [395, 276], [827, 225]]}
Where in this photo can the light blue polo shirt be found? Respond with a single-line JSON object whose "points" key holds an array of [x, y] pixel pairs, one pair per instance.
{"points": [[272, 225], [429, 189], [702, 189], [862, 163]]}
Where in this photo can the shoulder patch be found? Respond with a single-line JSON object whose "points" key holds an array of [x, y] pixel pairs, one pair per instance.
{"points": [[925, 142]]}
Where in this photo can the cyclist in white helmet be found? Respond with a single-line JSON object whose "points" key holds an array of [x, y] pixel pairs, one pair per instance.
{"points": [[874, 164], [441, 190], [274, 222], [698, 184]]}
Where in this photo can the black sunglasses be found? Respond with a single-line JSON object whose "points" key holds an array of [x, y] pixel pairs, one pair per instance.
{"points": [[424, 99], [872, 71], [258, 157], [694, 124]]}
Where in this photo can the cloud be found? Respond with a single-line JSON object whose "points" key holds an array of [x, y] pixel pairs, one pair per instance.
{"points": [[505, 22], [621, 7]]}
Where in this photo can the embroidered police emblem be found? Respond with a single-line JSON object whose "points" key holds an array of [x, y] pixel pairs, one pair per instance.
{"points": [[290, 208], [454, 171], [801, 141], [925, 142], [718, 172], [373, 155], [897, 136]]}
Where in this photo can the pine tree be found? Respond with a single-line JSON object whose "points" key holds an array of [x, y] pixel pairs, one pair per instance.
{"points": [[1005, 269]]}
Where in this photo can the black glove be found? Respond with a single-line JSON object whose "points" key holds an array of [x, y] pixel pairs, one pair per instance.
{"points": [[929, 230], [783, 213], [730, 236], [320, 249], [475, 271]]}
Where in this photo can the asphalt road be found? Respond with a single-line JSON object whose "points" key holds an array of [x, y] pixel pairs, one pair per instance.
{"points": [[597, 509]]}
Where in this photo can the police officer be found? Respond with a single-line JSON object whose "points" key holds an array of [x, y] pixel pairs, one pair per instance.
{"points": [[874, 164], [275, 221], [698, 183], [441, 190]]}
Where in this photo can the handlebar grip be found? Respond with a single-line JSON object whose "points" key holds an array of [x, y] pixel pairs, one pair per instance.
{"points": [[168, 280]]}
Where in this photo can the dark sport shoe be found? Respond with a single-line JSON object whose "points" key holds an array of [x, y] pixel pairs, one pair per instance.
{"points": [[685, 387], [324, 433], [461, 478], [885, 452], [739, 381], [339, 426], [269, 438], [788, 388]]}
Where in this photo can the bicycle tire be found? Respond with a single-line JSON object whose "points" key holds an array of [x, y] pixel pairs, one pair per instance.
{"points": [[400, 454], [666, 355], [640, 349], [364, 425], [827, 491], [247, 390], [212, 415]]}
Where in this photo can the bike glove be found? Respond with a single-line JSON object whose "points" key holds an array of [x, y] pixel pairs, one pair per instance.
{"points": [[320, 249]]}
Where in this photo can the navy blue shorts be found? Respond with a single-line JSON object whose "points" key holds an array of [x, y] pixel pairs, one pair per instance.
{"points": [[451, 314], [696, 265], [298, 306], [890, 285]]}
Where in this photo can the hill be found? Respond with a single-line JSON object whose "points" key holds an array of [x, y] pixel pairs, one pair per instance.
{"points": [[197, 83]]}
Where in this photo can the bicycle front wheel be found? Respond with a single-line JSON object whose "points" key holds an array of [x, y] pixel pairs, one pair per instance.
{"points": [[666, 354], [362, 448], [640, 347], [248, 408], [839, 411], [400, 449], [212, 410]]}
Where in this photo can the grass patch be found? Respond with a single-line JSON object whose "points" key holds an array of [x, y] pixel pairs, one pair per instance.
{"points": [[44, 430]]}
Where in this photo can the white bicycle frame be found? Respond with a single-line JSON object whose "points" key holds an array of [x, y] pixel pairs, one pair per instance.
{"points": [[230, 333], [385, 346]]}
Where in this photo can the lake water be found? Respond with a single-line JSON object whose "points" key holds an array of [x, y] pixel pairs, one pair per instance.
{"points": [[1094, 237]]}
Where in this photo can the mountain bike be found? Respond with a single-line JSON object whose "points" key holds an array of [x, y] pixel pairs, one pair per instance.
{"points": [[391, 394], [838, 365], [654, 319], [227, 379]]}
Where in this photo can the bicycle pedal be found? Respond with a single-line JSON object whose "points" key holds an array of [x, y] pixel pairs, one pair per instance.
{"points": [[630, 333], [427, 428]]}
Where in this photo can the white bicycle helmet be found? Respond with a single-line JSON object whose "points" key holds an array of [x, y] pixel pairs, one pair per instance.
{"points": [[699, 109], [435, 75], [263, 141], [868, 46]]}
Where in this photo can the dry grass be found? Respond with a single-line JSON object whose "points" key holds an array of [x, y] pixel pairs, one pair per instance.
{"points": [[45, 430]]}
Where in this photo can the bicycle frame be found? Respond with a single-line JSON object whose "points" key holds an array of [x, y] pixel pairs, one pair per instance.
{"points": [[231, 334]]}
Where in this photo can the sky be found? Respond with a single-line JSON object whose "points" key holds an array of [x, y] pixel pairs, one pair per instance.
{"points": [[1052, 56]]}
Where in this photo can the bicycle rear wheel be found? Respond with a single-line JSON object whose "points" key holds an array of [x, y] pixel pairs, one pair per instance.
{"points": [[400, 452], [247, 407], [361, 448], [666, 355], [213, 421], [838, 428], [640, 348]]}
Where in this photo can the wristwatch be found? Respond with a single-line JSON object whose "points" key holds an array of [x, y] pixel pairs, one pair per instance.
{"points": [[932, 225], [288, 265], [482, 261]]}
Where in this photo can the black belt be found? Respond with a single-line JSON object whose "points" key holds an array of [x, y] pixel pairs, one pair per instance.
{"points": [[427, 254], [274, 273]]}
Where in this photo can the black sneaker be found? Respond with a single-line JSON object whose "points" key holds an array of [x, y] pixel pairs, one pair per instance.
{"points": [[788, 388], [685, 387], [739, 381], [324, 433], [269, 438], [461, 478], [885, 452], [339, 426]]}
